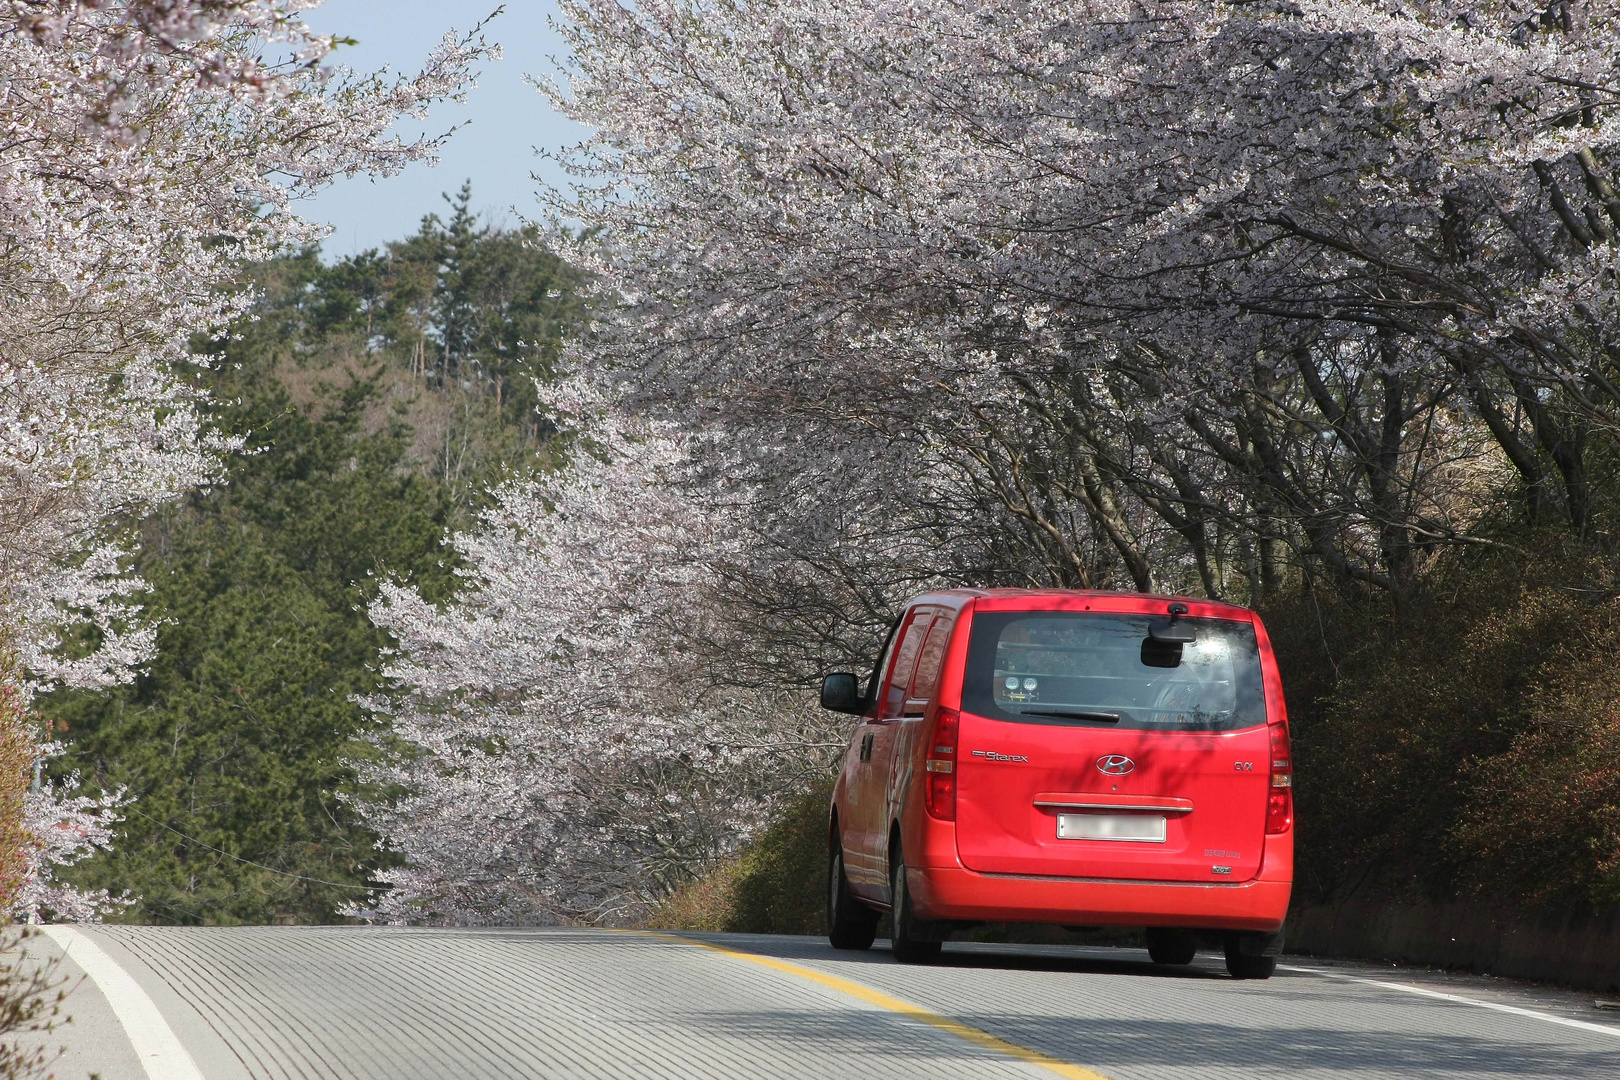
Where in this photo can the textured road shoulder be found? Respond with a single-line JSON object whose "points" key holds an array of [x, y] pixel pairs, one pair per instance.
{"points": [[154, 1042]]}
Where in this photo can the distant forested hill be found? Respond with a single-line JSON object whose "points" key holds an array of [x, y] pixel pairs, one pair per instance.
{"points": [[378, 398]]}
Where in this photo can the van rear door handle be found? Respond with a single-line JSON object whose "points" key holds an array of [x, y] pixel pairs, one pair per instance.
{"points": [[1163, 809]]}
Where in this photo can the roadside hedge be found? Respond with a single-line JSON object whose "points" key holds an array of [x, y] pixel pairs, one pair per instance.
{"points": [[775, 885], [1468, 751]]}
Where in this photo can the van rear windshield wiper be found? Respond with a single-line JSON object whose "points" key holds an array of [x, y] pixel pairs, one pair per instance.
{"points": [[1074, 714]]}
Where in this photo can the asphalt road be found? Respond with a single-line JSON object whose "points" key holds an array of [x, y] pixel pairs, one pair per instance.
{"points": [[401, 1004]]}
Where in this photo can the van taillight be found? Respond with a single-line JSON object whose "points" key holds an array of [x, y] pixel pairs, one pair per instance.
{"points": [[940, 774], [1280, 799]]}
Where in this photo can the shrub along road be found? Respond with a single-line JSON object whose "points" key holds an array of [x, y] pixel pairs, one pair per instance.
{"points": [[349, 1002]]}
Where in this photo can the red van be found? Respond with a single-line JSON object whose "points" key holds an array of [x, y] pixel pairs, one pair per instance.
{"points": [[1079, 758]]}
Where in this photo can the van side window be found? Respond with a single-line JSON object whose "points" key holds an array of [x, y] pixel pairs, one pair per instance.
{"points": [[905, 662], [875, 683], [926, 681]]}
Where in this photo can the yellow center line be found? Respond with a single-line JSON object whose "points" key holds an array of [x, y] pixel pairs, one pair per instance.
{"points": [[905, 1008]]}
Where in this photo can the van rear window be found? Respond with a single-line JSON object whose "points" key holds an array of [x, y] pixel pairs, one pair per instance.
{"points": [[1099, 670]]}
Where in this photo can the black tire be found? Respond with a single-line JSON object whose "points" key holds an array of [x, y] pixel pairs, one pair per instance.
{"points": [[904, 940], [850, 923], [1171, 946], [1242, 966]]}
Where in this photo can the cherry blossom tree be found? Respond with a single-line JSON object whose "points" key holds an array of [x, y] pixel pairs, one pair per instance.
{"points": [[570, 754], [1302, 278], [1178, 295], [148, 150]]}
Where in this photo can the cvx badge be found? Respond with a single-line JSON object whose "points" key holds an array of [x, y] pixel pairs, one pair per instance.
{"points": [[1115, 765]]}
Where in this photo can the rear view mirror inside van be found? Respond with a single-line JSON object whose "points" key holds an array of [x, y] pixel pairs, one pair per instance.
{"points": [[1162, 647], [1172, 631], [840, 693], [1156, 653]]}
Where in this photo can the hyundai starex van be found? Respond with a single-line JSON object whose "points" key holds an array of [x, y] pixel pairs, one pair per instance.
{"points": [[1078, 758]]}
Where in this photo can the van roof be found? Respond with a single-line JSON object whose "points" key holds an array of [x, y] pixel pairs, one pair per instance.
{"points": [[1062, 599]]}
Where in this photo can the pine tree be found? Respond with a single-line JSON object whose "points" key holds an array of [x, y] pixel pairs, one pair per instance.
{"points": [[233, 742]]}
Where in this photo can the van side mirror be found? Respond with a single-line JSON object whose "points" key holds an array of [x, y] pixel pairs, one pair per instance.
{"points": [[840, 693]]}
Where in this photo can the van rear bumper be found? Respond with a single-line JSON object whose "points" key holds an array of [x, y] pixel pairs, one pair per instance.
{"points": [[958, 893]]}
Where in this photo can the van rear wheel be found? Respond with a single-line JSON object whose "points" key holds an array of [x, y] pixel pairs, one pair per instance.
{"points": [[903, 939], [1241, 965], [850, 923], [1167, 946]]}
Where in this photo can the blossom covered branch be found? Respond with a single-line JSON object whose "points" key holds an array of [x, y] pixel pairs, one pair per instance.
{"points": [[149, 149]]}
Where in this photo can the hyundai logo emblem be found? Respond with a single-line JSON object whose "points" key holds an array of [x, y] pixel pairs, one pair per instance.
{"points": [[1115, 765]]}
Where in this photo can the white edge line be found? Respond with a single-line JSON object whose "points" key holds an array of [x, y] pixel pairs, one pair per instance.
{"points": [[155, 1043], [1405, 988]]}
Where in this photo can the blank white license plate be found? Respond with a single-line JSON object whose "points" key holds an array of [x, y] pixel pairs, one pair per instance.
{"points": [[1141, 828]]}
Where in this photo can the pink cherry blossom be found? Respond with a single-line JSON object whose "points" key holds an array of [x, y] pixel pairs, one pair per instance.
{"points": [[149, 149]]}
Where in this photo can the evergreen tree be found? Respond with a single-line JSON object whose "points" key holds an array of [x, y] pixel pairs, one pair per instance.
{"points": [[232, 744]]}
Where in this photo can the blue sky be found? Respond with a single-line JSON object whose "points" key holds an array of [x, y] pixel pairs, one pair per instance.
{"points": [[509, 119]]}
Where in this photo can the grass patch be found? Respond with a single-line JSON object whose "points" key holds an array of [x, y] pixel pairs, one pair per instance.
{"points": [[776, 885]]}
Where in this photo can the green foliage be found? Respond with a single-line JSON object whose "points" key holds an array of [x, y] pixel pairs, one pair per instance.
{"points": [[783, 887], [378, 396], [1469, 749], [776, 885], [234, 736], [460, 319]]}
